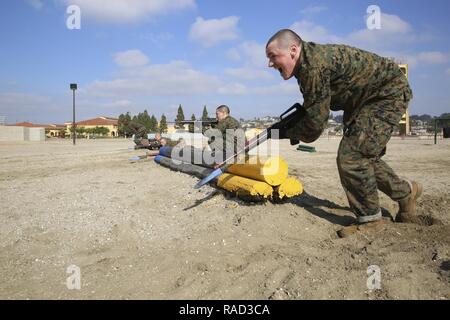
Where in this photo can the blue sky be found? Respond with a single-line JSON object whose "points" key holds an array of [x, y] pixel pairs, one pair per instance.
{"points": [[131, 55]]}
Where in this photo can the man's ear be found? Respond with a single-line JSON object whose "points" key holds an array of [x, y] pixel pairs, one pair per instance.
{"points": [[293, 50]]}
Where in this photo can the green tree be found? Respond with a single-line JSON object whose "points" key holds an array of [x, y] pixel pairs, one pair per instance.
{"points": [[124, 124], [62, 132], [163, 124], [180, 117], [102, 131], [153, 124], [191, 125], [89, 131], [80, 131], [204, 114], [120, 124], [144, 119]]}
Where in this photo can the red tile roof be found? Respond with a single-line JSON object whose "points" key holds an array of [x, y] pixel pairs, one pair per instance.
{"points": [[29, 125], [100, 121], [35, 125]]}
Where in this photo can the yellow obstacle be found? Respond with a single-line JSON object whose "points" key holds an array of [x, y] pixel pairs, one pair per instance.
{"points": [[273, 170], [243, 186], [289, 188]]}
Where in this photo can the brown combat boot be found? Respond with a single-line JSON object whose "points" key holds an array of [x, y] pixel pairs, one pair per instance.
{"points": [[373, 225], [407, 206]]}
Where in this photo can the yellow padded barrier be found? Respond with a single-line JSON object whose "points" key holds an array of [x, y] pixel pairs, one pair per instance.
{"points": [[289, 188], [272, 170], [244, 186]]}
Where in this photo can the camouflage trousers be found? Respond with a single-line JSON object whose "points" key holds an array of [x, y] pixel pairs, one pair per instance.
{"points": [[361, 170]]}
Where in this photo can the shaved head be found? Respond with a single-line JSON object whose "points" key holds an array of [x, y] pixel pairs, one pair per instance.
{"points": [[223, 108], [285, 38]]}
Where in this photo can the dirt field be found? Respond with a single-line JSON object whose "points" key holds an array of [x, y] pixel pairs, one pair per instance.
{"points": [[140, 231]]}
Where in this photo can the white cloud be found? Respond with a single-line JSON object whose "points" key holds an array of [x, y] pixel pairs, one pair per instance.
{"points": [[253, 57], [130, 58], [394, 31], [255, 53], [310, 31], [158, 39], [421, 58], [282, 88], [313, 9], [36, 4], [124, 11], [389, 41], [252, 53], [25, 101], [433, 57], [172, 79], [394, 24], [117, 104], [233, 89], [24, 106], [175, 79], [233, 54], [249, 73], [211, 32]]}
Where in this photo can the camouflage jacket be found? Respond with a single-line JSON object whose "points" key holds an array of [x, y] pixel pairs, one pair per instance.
{"points": [[339, 77], [227, 123], [139, 131]]}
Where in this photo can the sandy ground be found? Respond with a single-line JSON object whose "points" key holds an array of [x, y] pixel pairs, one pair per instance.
{"points": [[140, 231]]}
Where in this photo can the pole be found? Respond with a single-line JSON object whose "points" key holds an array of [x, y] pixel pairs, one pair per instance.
{"points": [[435, 131], [73, 123]]}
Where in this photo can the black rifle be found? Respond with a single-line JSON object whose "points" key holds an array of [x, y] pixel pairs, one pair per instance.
{"points": [[208, 121], [199, 125], [287, 120]]}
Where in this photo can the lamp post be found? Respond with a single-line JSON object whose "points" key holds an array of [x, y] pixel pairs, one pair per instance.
{"points": [[73, 87]]}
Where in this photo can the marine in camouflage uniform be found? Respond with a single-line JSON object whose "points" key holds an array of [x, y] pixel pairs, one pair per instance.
{"points": [[229, 142], [224, 125], [140, 132], [374, 94]]}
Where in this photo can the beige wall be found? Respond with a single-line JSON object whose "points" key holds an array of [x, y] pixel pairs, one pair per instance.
{"points": [[17, 133]]}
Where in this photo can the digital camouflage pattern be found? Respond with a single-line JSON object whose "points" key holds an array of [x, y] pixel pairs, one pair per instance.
{"points": [[227, 123], [374, 94], [228, 141], [140, 132], [361, 169]]}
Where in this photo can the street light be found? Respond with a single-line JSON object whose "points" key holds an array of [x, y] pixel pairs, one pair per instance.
{"points": [[73, 87]]}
